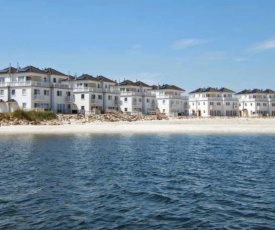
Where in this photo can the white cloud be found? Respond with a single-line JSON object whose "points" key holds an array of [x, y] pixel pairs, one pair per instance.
{"points": [[263, 46], [185, 43]]}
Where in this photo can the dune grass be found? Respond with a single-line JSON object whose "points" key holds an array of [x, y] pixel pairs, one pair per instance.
{"points": [[28, 115]]}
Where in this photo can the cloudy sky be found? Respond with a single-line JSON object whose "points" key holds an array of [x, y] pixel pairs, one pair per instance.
{"points": [[190, 44]]}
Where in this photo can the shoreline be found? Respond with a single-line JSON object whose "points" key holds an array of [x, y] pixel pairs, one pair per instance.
{"points": [[172, 126]]}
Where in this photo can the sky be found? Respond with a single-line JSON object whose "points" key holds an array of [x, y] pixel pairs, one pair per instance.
{"points": [[188, 43]]}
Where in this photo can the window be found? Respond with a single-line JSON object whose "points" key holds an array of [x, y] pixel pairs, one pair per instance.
{"points": [[258, 104], [24, 105], [82, 96], [116, 98], [125, 109], [218, 103], [36, 92], [139, 99], [68, 93], [227, 103], [148, 100], [163, 102], [203, 103], [1, 92], [110, 98], [273, 104], [93, 96], [245, 104], [211, 103], [13, 92], [45, 79], [20, 78], [125, 99], [264, 104], [251, 104], [163, 110], [59, 93], [54, 80], [24, 91], [199, 103], [2, 79], [99, 97], [82, 107], [46, 92]]}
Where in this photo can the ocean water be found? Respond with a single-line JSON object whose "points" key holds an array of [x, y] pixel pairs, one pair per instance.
{"points": [[137, 182]]}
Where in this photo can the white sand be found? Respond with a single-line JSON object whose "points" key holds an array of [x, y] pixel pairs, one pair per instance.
{"points": [[192, 126]]}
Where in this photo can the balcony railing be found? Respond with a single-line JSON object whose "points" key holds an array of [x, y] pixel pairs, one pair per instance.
{"points": [[130, 93], [34, 83], [173, 97], [70, 99], [106, 90], [88, 89], [38, 97], [96, 102]]}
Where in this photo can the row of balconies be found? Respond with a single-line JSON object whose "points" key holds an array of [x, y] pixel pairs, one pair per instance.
{"points": [[35, 83]]}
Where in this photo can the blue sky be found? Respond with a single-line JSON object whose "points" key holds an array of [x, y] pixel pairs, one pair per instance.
{"points": [[190, 44]]}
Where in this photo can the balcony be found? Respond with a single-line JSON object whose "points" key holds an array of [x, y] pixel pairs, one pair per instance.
{"points": [[172, 97], [111, 91], [88, 89], [62, 86], [38, 97], [130, 93], [70, 99], [95, 102]]}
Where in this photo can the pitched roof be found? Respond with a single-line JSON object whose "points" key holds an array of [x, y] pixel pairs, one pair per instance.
{"points": [[30, 69], [140, 83], [212, 90], [269, 91], [86, 77], [102, 78], [255, 91], [54, 72], [8, 70], [226, 90], [206, 90], [166, 86], [127, 82]]}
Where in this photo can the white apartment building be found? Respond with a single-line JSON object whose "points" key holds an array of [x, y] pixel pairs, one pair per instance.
{"points": [[95, 95], [256, 102], [170, 99], [136, 97], [205, 102], [32, 88]]}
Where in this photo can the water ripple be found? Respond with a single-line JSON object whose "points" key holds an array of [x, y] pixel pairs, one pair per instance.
{"points": [[137, 182]]}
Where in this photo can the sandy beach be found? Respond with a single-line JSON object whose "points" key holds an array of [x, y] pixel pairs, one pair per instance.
{"points": [[191, 126]]}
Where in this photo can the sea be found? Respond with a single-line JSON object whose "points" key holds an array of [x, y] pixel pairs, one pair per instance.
{"points": [[156, 181]]}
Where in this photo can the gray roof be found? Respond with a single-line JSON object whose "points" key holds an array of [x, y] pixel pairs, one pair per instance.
{"points": [[256, 91], [30, 69], [54, 72], [8, 70], [102, 78], [86, 77], [127, 82], [166, 86], [205, 90]]}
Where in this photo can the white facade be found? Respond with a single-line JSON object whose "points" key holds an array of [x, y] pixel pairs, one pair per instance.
{"points": [[136, 98], [205, 102], [170, 100], [31, 88], [256, 102], [95, 95]]}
